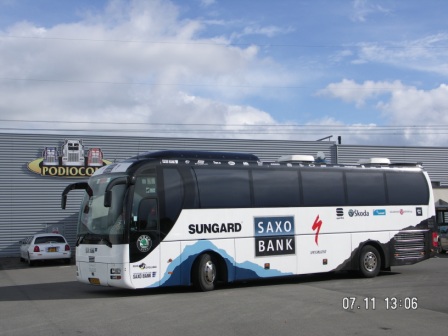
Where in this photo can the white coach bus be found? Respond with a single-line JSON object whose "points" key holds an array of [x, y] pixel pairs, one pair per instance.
{"points": [[189, 217]]}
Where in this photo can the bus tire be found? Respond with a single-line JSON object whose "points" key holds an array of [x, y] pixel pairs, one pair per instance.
{"points": [[369, 262], [204, 273]]}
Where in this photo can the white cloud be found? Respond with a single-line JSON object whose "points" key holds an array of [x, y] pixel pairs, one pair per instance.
{"points": [[137, 61], [269, 31], [207, 3], [427, 54], [351, 92], [417, 115], [364, 8], [410, 106]]}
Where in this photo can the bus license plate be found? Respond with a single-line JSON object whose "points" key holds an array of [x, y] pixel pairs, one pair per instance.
{"points": [[94, 281]]}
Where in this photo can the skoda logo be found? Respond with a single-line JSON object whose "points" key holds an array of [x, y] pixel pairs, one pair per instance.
{"points": [[144, 243], [358, 213]]}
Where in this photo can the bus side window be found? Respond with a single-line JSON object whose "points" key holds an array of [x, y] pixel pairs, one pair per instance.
{"points": [[148, 215], [323, 188]]}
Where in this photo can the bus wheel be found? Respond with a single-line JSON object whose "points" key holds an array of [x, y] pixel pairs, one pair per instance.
{"points": [[204, 275], [369, 262]]}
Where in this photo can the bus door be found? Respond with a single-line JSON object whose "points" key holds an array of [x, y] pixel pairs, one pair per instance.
{"points": [[144, 238]]}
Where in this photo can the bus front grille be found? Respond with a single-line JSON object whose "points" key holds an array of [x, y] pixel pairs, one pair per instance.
{"points": [[409, 244]]}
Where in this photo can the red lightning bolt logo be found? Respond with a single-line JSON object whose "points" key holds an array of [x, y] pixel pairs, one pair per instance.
{"points": [[316, 226]]}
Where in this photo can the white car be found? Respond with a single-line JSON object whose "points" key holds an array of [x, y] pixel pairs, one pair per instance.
{"points": [[45, 246]]}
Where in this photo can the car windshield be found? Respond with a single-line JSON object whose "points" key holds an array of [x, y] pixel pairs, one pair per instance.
{"points": [[98, 220]]}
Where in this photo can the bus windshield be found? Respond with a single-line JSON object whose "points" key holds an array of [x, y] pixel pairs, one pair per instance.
{"points": [[98, 222]]}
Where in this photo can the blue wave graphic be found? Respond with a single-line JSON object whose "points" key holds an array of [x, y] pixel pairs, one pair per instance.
{"points": [[178, 273]]}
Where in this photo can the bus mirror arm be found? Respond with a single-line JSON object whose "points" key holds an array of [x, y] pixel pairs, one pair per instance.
{"points": [[78, 185], [108, 198], [108, 193], [63, 201]]}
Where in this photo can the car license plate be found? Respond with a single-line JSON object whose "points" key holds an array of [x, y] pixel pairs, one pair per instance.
{"points": [[52, 249], [94, 281]]}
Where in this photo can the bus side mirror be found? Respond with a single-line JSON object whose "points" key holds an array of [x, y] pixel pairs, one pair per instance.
{"points": [[74, 186], [108, 193]]}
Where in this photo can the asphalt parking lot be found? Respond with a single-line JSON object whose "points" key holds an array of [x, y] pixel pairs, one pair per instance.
{"points": [[47, 300]]}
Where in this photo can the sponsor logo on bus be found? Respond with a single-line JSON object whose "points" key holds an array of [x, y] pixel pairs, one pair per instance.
{"points": [[170, 161], [143, 266], [274, 236], [318, 252], [358, 213], [145, 275], [214, 228], [144, 243], [339, 213], [419, 211], [316, 227], [379, 212], [401, 212]]}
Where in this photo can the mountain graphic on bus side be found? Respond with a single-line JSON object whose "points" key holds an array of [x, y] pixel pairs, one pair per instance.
{"points": [[242, 271]]}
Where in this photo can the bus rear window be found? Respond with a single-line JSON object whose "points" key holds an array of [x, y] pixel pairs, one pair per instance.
{"points": [[407, 188]]}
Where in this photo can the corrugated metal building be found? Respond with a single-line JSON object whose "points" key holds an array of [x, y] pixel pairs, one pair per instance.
{"points": [[30, 202]]}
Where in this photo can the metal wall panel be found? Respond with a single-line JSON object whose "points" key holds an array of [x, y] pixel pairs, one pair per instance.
{"points": [[30, 203]]}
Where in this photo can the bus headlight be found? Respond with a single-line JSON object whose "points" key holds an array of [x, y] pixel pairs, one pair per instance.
{"points": [[115, 270], [115, 273]]}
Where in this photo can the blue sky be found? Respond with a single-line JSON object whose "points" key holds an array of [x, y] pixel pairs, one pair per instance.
{"points": [[373, 72]]}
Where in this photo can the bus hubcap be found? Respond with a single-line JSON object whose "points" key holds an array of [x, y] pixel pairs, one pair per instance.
{"points": [[209, 272], [370, 261]]}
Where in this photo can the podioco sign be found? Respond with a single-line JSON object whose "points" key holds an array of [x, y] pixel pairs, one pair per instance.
{"points": [[72, 160]]}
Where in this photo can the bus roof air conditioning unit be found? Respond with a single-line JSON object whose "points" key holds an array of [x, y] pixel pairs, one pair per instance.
{"points": [[374, 162], [296, 158]]}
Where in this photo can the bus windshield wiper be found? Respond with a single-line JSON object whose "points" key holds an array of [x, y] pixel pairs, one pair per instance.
{"points": [[106, 241], [81, 238]]}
